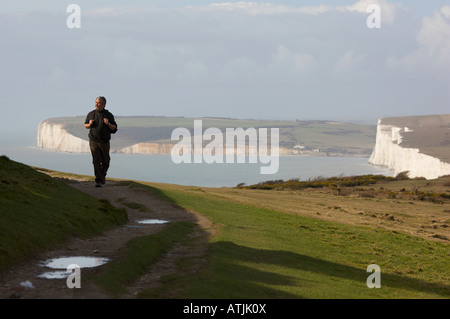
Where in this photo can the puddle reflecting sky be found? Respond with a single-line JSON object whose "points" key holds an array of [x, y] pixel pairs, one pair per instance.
{"points": [[152, 221], [81, 261], [55, 274], [63, 262]]}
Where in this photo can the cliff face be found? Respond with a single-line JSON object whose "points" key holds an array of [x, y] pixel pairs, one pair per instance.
{"points": [[166, 149], [148, 149], [394, 150], [149, 137], [54, 137]]}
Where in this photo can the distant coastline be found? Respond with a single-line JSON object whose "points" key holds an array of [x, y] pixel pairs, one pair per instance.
{"points": [[418, 145], [151, 135]]}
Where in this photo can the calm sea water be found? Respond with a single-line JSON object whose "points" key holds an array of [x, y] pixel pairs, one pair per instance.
{"points": [[161, 169]]}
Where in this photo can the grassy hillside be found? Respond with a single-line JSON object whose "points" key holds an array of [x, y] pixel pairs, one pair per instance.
{"points": [[289, 241], [37, 212], [329, 137], [315, 244]]}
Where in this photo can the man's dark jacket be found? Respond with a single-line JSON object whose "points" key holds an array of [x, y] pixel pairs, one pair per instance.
{"points": [[99, 131]]}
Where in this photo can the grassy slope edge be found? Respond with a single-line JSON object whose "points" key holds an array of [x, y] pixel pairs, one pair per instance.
{"points": [[38, 212]]}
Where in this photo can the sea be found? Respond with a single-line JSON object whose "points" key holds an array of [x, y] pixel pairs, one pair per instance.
{"points": [[161, 168]]}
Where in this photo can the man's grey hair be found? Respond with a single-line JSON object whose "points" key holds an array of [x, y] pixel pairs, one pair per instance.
{"points": [[102, 99]]}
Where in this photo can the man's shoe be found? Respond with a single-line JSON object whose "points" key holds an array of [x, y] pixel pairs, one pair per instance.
{"points": [[98, 185]]}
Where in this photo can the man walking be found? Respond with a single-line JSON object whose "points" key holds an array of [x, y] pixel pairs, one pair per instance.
{"points": [[101, 125]]}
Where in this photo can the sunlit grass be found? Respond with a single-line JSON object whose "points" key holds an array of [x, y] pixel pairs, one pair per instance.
{"points": [[265, 253]]}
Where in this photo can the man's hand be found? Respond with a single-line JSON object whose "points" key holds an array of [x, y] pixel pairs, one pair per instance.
{"points": [[88, 125], [109, 125]]}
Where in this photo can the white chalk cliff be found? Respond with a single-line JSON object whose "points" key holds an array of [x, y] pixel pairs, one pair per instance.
{"points": [[388, 151], [147, 149], [53, 137]]}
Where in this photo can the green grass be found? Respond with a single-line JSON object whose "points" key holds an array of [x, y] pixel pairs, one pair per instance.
{"points": [[137, 257], [133, 205], [38, 212], [320, 182], [257, 252], [262, 253]]}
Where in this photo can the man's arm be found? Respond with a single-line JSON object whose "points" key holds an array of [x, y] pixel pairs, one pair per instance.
{"points": [[89, 121], [112, 127], [88, 125]]}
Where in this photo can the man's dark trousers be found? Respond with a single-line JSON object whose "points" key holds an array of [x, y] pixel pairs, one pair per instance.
{"points": [[100, 159]]}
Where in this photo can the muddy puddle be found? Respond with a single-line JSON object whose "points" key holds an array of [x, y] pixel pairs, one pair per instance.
{"points": [[62, 263], [152, 221]]}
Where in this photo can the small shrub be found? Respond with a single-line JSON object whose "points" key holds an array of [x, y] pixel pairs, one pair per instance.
{"points": [[391, 194], [367, 194], [402, 176]]}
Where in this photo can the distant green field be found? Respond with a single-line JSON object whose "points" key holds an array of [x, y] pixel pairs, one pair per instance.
{"points": [[330, 138]]}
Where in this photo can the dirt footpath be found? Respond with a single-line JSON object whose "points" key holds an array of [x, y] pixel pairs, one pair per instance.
{"points": [[23, 280]]}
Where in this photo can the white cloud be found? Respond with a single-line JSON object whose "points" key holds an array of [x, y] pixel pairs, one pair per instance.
{"points": [[192, 72], [349, 61], [435, 34], [317, 57], [256, 8], [432, 55], [304, 61], [388, 10], [241, 70], [109, 11], [285, 59]]}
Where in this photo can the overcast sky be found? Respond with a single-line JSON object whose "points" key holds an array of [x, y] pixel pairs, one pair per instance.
{"points": [[264, 60]]}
